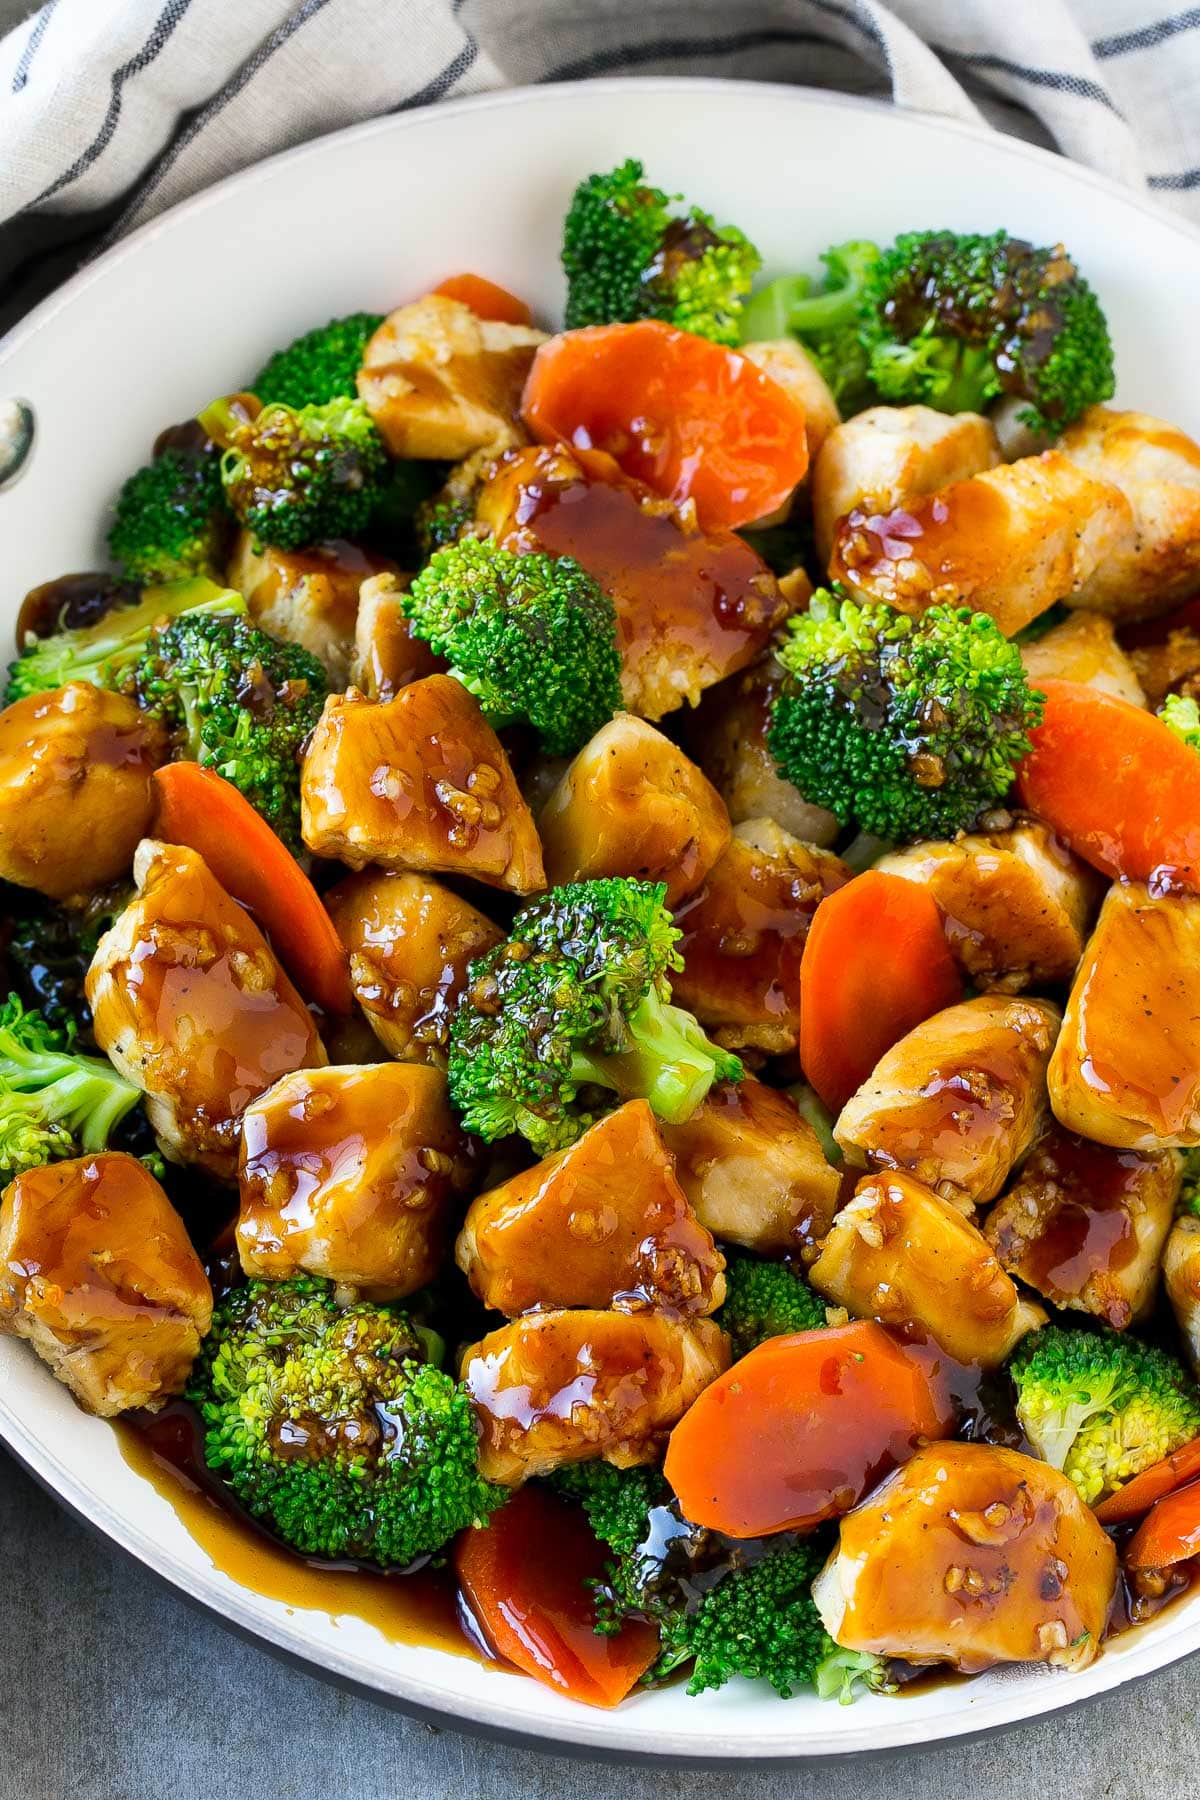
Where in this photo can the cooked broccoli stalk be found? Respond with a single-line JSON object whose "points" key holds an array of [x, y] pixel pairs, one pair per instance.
{"points": [[812, 1108], [825, 319], [51, 948], [332, 1428], [1101, 1406], [765, 1300], [106, 652], [573, 1007], [628, 255], [907, 727], [294, 476], [958, 321], [725, 1606], [532, 637], [53, 1101], [171, 520], [238, 701], [439, 521], [318, 367], [1182, 714]]}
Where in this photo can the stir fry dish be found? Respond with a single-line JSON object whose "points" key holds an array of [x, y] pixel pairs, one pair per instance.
{"points": [[602, 935]]}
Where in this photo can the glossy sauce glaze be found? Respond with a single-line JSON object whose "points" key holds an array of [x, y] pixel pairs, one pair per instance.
{"points": [[1091, 1228], [936, 552]]}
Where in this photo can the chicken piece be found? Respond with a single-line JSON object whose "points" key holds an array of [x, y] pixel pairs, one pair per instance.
{"points": [[888, 456], [410, 941], [958, 1101], [632, 804], [743, 936], [728, 738], [753, 1169], [1166, 663], [1157, 468], [602, 1223], [1009, 542], [788, 363], [1126, 1069], [75, 788], [1085, 1226], [692, 606], [98, 1274], [971, 1555], [351, 1173], [386, 655], [1181, 1278], [440, 382], [419, 783], [1084, 648], [189, 1002], [903, 1255], [1016, 904], [309, 597], [564, 1387]]}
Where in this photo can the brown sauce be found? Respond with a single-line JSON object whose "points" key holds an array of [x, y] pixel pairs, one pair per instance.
{"points": [[1091, 1230]]}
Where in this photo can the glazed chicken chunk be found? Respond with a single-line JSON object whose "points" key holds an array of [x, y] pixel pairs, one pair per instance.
{"points": [[631, 803], [691, 606], [1167, 663], [888, 456], [1181, 1278], [386, 656], [601, 1223], [410, 942], [75, 788], [901, 1254], [309, 597], [351, 1173], [1016, 904], [728, 738], [191, 1005], [1009, 542], [971, 1555], [743, 936], [98, 1273], [1157, 467], [564, 1387], [1084, 648], [787, 362], [753, 1169], [441, 382], [1085, 1225], [419, 783], [1126, 1069], [958, 1101]]}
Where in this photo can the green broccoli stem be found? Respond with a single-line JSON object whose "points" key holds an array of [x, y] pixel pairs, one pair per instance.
{"points": [[668, 1062], [77, 1094], [970, 378], [838, 1675]]}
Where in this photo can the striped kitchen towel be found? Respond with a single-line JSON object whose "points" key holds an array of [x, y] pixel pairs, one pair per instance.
{"points": [[111, 110]]}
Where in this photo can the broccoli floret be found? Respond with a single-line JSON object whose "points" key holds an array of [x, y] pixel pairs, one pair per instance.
{"points": [[1182, 714], [53, 1101], [238, 701], [106, 652], [572, 1007], [532, 637], [1189, 1189], [51, 949], [826, 321], [728, 1607], [909, 727], [628, 256], [171, 520], [765, 1300], [295, 476], [331, 1427], [957, 321], [1101, 1406], [439, 521], [318, 367]]}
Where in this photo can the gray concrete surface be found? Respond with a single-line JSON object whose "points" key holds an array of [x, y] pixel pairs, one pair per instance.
{"points": [[110, 1688]]}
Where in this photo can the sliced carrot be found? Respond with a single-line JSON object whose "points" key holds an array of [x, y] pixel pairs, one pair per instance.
{"points": [[1140, 1494], [691, 419], [1116, 784], [802, 1428], [525, 1576], [876, 963], [201, 810], [486, 299], [1170, 1532]]}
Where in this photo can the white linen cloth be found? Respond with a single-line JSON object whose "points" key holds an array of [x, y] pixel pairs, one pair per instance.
{"points": [[112, 110]]}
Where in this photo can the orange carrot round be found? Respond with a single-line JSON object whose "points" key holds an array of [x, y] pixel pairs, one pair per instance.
{"points": [[1139, 1495], [1170, 1532], [486, 299]]}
